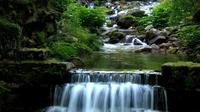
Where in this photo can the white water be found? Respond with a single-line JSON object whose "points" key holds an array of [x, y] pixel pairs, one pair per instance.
{"points": [[110, 91], [107, 97]]}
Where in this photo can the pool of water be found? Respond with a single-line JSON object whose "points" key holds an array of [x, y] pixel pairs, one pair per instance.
{"points": [[127, 60]]}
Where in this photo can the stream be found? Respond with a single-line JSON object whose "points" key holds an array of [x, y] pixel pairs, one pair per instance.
{"points": [[115, 79]]}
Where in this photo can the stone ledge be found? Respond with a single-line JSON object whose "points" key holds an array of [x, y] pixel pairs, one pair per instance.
{"points": [[49, 72], [24, 54], [181, 75]]}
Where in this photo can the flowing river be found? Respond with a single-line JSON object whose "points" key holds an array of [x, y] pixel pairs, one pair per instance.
{"points": [[116, 79]]}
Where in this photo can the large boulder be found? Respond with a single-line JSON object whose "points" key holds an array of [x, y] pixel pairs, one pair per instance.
{"points": [[158, 40], [137, 13], [116, 37], [144, 49], [126, 21]]}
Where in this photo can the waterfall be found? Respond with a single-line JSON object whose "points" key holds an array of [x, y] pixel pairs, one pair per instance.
{"points": [[110, 91]]}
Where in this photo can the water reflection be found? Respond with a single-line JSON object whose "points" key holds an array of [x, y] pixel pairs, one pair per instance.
{"points": [[128, 60]]}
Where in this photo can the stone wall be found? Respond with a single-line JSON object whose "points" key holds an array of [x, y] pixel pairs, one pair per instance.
{"points": [[29, 85], [181, 81]]}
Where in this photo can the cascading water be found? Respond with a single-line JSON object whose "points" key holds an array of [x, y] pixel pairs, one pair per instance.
{"points": [[110, 92]]}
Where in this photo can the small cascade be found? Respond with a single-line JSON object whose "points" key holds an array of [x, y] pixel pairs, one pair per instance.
{"points": [[110, 91]]}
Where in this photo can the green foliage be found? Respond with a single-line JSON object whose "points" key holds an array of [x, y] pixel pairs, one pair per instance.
{"points": [[41, 38], [10, 34], [9, 28], [92, 18], [66, 51], [190, 36], [63, 50], [89, 18], [181, 9], [173, 12], [160, 14], [60, 5], [142, 22]]}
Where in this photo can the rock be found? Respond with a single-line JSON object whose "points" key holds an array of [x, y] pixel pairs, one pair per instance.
{"points": [[48, 72], [172, 29], [137, 13], [154, 46], [145, 49], [181, 80], [76, 62], [181, 75], [109, 23], [165, 45], [151, 33], [116, 37], [172, 50], [108, 32], [155, 31], [32, 54], [158, 40], [147, 28], [172, 39], [164, 33], [126, 21], [141, 37]]}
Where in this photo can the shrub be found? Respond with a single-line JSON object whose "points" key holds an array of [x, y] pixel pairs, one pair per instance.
{"points": [[89, 18], [181, 9], [190, 35], [160, 15], [142, 22], [66, 51], [60, 5], [63, 50], [92, 18], [9, 34]]}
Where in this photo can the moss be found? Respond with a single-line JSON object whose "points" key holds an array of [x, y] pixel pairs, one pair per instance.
{"points": [[137, 13], [181, 75], [34, 49], [183, 64], [34, 72], [115, 37], [126, 21]]}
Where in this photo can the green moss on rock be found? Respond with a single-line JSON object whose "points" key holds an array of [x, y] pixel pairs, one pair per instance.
{"points": [[126, 21], [181, 75], [31, 72]]}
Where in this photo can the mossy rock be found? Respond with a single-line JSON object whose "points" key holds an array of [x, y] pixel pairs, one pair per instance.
{"points": [[116, 37], [181, 75], [48, 72], [33, 54], [126, 21], [137, 13]]}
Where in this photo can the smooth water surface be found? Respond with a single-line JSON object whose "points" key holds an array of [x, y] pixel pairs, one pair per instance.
{"points": [[128, 60]]}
